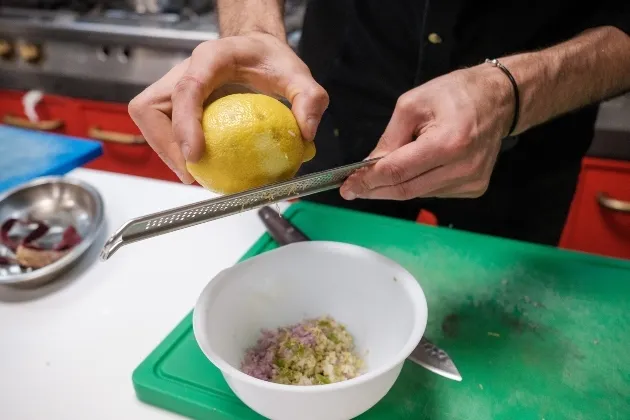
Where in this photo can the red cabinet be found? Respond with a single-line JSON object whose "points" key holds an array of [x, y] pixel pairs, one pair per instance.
{"points": [[56, 113], [599, 219], [124, 148]]}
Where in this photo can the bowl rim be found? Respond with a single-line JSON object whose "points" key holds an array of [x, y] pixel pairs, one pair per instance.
{"points": [[411, 284], [78, 250]]}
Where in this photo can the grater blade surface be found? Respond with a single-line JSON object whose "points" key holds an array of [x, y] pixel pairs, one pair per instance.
{"points": [[204, 211]]}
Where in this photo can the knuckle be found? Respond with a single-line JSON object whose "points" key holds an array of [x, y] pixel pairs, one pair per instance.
{"points": [[137, 106], [202, 49], [394, 173], [319, 95], [405, 103], [365, 184], [471, 168], [458, 146], [134, 108], [462, 142], [196, 52], [184, 86], [479, 188]]}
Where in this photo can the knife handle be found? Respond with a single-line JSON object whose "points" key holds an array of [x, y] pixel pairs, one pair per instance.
{"points": [[280, 229]]}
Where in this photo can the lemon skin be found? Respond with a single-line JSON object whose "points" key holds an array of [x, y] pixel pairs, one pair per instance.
{"points": [[251, 140]]}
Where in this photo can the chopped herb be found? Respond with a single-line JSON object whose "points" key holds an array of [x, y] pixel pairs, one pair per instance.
{"points": [[324, 323], [322, 379], [314, 352]]}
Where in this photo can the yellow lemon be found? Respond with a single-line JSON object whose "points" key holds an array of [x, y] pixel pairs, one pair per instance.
{"points": [[251, 140]]}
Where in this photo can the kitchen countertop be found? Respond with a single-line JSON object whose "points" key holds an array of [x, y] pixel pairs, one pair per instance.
{"points": [[69, 348]]}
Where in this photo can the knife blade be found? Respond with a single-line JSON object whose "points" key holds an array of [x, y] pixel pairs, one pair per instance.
{"points": [[433, 358], [426, 354]]}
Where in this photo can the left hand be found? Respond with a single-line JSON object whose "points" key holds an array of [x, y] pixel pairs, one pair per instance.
{"points": [[442, 141]]}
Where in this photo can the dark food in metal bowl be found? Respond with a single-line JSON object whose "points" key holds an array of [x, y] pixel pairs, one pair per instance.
{"points": [[28, 251], [46, 225]]}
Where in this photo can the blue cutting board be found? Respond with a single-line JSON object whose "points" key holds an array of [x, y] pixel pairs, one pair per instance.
{"points": [[28, 154]]}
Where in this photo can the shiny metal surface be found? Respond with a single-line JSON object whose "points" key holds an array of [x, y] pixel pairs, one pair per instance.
{"points": [[193, 214], [433, 358], [105, 46], [124, 63], [58, 201], [102, 31], [156, 6]]}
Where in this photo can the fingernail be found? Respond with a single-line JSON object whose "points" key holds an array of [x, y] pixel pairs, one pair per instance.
{"points": [[175, 170], [181, 176], [186, 150], [178, 173], [170, 165], [348, 194]]}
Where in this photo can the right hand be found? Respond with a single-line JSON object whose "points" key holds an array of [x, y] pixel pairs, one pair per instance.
{"points": [[168, 113]]}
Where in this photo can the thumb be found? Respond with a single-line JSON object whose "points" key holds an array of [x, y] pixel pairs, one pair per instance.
{"points": [[308, 102]]}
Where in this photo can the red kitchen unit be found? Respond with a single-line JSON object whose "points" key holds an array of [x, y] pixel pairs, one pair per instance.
{"points": [[599, 219], [124, 148], [57, 114]]}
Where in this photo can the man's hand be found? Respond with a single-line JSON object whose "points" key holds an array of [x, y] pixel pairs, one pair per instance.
{"points": [[442, 140], [444, 137], [169, 112]]}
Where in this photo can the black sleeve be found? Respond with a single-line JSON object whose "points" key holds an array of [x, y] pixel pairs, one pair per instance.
{"points": [[612, 13]]}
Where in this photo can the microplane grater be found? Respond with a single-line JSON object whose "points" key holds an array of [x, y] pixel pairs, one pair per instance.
{"points": [[204, 211]]}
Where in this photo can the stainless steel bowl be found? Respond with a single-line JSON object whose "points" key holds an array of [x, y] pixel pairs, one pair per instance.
{"points": [[59, 201]]}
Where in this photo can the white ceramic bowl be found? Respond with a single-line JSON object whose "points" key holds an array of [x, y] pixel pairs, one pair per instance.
{"points": [[381, 304]]}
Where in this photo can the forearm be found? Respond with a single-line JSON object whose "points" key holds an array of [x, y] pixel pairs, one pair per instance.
{"points": [[238, 17], [587, 69]]}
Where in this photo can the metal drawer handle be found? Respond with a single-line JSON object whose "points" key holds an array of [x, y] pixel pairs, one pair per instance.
{"points": [[48, 125], [613, 204], [115, 137]]}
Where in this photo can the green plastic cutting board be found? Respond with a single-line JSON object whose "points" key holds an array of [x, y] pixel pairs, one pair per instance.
{"points": [[536, 332]]}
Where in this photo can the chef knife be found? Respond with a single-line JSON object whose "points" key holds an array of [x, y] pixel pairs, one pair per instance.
{"points": [[426, 354]]}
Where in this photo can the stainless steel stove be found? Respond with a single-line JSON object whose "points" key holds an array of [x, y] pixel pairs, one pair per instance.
{"points": [[106, 50]]}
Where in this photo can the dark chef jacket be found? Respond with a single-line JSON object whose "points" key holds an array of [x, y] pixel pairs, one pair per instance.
{"points": [[367, 53]]}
